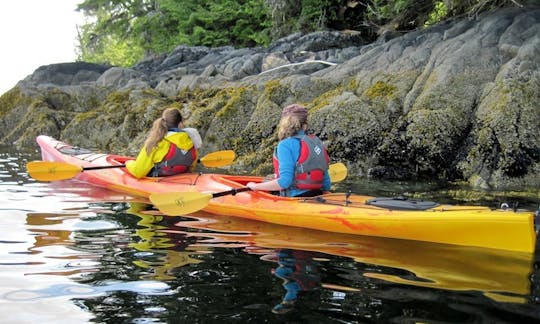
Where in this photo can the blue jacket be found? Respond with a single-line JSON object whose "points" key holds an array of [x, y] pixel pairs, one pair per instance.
{"points": [[288, 152]]}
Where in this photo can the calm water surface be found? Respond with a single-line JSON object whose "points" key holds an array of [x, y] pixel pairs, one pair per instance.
{"points": [[73, 253]]}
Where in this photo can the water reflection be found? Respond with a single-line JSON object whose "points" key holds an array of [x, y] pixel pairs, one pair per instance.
{"points": [[77, 290], [337, 269], [158, 254], [299, 272], [75, 252], [500, 275]]}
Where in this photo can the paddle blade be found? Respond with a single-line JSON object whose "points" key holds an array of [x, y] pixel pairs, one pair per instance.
{"points": [[337, 172], [218, 159], [180, 203], [50, 171]]}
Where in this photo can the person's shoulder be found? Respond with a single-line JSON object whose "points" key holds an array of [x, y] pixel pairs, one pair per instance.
{"points": [[288, 141], [179, 138]]}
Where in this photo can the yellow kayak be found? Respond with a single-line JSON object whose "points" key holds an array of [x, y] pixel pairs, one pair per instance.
{"points": [[222, 194]]}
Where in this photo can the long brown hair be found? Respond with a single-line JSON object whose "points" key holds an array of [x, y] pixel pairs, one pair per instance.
{"points": [[170, 118], [293, 119], [289, 126]]}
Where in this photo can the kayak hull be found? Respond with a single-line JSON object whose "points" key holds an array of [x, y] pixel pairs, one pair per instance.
{"points": [[335, 212]]}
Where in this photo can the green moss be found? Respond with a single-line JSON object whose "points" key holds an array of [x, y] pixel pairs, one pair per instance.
{"points": [[118, 96], [211, 138], [380, 89], [230, 108], [92, 115], [11, 100], [352, 85], [259, 162], [472, 195], [275, 91], [203, 105], [234, 96], [325, 99]]}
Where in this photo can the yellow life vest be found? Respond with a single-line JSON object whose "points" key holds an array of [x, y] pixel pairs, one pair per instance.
{"points": [[143, 164]]}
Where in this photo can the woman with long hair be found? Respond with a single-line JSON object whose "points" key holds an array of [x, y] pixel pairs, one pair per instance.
{"points": [[169, 148], [300, 160]]}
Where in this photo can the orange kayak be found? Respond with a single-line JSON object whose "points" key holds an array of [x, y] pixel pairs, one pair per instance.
{"points": [[336, 212]]}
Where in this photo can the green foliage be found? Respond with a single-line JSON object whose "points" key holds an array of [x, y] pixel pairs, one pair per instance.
{"points": [[438, 14], [122, 32], [382, 9], [380, 89], [108, 49], [315, 14]]}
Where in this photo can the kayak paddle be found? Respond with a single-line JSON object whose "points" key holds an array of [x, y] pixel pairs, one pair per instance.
{"points": [[181, 203], [50, 170], [337, 172]]}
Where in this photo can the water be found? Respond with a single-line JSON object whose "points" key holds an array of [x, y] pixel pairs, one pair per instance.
{"points": [[73, 253]]}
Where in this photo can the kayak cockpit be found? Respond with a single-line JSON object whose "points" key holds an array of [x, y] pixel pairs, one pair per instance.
{"points": [[118, 159], [240, 181]]}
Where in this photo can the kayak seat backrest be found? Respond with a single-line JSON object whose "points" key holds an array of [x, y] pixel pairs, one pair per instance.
{"points": [[400, 203]]}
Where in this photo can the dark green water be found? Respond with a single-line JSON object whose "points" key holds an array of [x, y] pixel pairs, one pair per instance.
{"points": [[73, 253]]}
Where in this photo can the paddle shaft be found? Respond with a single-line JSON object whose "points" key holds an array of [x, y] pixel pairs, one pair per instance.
{"points": [[103, 167], [110, 166], [230, 192], [52, 171]]}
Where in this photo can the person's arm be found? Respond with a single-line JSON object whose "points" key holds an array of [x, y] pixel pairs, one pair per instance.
{"points": [[141, 165], [195, 137], [327, 183], [265, 186], [144, 163], [288, 152], [287, 162]]}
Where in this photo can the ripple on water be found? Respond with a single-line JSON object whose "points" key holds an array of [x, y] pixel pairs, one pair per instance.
{"points": [[80, 290]]}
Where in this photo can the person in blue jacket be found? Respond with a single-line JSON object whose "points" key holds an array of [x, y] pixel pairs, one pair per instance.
{"points": [[300, 160]]}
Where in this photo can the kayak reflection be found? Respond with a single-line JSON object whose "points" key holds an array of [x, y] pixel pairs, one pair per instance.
{"points": [[500, 275], [163, 252]]}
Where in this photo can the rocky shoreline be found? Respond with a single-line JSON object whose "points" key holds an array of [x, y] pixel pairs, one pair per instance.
{"points": [[457, 101]]}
